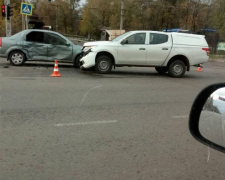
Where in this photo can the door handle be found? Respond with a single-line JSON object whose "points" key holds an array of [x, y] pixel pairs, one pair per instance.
{"points": [[164, 48], [141, 48]]}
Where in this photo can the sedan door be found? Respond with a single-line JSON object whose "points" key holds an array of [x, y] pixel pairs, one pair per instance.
{"points": [[133, 50], [34, 46], [158, 49], [58, 48]]}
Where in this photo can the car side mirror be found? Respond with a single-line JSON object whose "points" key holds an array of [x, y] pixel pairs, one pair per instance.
{"points": [[207, 117], [125, 41], [68, 44]]}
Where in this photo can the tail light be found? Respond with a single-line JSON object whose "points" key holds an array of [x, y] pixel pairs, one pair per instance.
{"points": [[0, 42], [207, 50]]}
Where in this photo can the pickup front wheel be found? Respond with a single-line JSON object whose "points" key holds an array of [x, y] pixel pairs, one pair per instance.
{"points": [[177, 69], [103, 64]]}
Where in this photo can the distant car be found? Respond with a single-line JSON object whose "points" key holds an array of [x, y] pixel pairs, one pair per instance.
{"points": [[39, 45]]}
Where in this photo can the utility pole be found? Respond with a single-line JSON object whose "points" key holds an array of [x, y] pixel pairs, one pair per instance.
{"points": [[56, 16], [8, 29], [24, 19], [122, 15]]}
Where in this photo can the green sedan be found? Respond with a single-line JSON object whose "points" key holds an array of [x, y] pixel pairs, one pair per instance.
{"points": [[39, 45]]}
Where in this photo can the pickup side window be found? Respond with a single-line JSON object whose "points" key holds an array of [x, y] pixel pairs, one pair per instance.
{"points": [[138, 38], [156, 38], [35, 37]]}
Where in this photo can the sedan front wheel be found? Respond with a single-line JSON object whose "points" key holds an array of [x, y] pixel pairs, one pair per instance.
{"points": [[17, 58]]}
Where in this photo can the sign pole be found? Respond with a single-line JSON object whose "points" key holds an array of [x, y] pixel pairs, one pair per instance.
{"points": [[8, 28], [26, 22], [23, 19], [26, 9]]}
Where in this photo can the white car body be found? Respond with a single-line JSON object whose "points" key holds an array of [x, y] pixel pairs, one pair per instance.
{"points": [[190, 48]]}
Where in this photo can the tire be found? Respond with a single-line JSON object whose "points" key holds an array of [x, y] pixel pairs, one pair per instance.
{"points": [[161, 70], [103, 64], [17, 58], [76, 62], [177, 69]]}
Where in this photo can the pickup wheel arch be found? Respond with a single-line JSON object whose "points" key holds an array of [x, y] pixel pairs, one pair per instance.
{"points": [[182, 58], [105, 53]]}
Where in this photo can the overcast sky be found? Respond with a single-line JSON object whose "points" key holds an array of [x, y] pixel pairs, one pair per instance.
{"points": [[82, 1]]}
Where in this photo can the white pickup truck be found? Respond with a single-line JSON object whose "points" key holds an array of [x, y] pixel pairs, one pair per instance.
{"points": [[167, 52]]}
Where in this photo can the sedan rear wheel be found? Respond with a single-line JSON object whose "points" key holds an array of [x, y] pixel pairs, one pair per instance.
{"points": [[17, 58]]}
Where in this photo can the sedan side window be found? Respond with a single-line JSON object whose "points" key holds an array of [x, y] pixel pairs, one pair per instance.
{"points": [[35, 36], [54, 39], [158, 38], [138, 38]]}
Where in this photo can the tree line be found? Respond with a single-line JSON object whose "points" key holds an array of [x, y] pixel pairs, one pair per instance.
{"points": [[65, 16]]}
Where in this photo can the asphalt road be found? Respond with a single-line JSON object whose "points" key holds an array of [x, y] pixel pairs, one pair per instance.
{"points": [[130, 124]]}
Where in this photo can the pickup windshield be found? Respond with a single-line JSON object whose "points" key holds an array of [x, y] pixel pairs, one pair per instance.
{"points": [[120, 37]]}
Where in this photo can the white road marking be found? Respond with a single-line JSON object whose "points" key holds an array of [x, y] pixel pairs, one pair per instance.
{"points": [[85, 95], [177, 117], [208, 154], [85, 123]]}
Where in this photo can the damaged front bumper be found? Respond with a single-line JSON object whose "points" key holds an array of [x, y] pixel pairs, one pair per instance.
{"points": [[88, 61]]}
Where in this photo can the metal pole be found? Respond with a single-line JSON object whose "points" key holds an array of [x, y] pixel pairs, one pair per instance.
{"points": [[122, 15], [56, 17], [23, 20], [26, 20], [7, 22]]}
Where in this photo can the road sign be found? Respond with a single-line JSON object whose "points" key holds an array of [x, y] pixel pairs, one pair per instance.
{"points": [[26, 8]]}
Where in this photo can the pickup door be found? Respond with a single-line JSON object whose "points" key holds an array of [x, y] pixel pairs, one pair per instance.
{"points": [[158, 49], [133, 50]]}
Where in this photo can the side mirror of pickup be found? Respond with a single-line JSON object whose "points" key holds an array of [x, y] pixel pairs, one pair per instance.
{"points": [[125, 41], [207, 117]]}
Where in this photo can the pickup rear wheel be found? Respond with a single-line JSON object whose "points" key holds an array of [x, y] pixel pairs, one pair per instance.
{"points": [[17, 58], [161, 70], [103, 64], [177, 69]]}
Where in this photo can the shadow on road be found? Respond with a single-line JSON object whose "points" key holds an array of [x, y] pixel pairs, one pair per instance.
{"points": [[38, 64], [125, 73]]}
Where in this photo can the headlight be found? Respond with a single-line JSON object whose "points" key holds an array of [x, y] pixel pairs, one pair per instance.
{"points": [[86, 52], [86, 48]]}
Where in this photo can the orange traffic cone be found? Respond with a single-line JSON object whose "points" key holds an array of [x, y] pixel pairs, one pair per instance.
{"points": [[199, 69], [56, 70]]}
